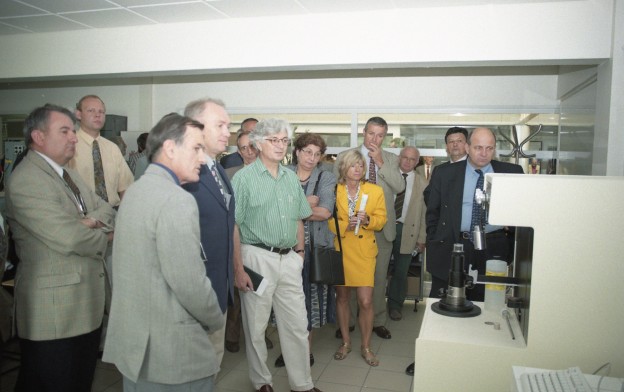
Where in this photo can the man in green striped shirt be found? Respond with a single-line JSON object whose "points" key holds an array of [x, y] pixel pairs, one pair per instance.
{"points": [[270, 206]]}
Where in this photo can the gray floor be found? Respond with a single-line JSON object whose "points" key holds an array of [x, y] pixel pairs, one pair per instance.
{"points": [[329, 375]]}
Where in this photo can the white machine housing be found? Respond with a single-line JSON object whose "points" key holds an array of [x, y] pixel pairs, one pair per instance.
{"points": [[577, 290]]}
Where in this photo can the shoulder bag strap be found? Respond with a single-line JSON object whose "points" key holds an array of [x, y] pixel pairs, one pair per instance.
{"points": [[335, 213], [318, 180]]}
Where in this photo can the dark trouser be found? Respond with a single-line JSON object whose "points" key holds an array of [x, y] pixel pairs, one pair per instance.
{"points": [[499, 246], [234, 319], [397, 288], [63, 365]]}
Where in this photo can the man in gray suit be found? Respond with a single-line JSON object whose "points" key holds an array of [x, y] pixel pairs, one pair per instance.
{"points": [[163, 304], [61, 229], [383, 170]]}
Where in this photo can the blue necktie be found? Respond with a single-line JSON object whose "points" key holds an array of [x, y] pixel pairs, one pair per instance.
{"points": [[476, 208]]}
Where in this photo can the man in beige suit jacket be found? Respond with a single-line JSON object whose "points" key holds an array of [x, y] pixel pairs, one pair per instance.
{"points": [[382, 167], [61, 230], [411, 229], [163, 304], [426, 169]]}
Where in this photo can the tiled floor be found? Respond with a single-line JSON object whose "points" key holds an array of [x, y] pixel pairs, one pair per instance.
{"points": [[329, 375]]}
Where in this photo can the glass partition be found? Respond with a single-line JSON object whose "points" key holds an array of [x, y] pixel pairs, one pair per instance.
{"points": [[426, 131], [577, 132]]}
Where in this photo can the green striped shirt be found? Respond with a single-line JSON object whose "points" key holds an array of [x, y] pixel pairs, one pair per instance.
{"points": [[268, 209]]}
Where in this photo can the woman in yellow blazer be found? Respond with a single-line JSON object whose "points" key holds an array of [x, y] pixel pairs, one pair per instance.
{"points": [[359, 249]]}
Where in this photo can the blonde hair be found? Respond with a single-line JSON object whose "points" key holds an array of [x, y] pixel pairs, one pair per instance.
{"points": [[349, 159]]}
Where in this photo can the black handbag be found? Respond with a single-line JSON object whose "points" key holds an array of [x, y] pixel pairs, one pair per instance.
{"points": [[325, 263]]}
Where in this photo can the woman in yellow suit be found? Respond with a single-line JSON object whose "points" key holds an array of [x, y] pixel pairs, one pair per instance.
{"points": [[359, 249]]}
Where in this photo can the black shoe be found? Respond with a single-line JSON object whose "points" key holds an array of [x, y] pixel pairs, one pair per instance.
{"points": [[339, 333], [279, 362], [410, 370], [268, 342], [382, 332], [232, 347]]}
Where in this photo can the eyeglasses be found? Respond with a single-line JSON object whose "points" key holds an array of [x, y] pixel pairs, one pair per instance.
{"points": [[276, 142], [310, 153]]}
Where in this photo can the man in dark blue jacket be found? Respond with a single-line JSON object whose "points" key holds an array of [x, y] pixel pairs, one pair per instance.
{"points": [[215, 199], [449, 198]]}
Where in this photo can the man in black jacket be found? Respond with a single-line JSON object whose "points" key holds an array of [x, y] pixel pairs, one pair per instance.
{"points": [[449, 198]]}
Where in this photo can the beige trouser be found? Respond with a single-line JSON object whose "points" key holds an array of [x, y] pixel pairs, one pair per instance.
{"points": [[284, 294]]}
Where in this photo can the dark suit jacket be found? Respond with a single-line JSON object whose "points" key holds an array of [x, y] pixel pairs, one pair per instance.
{"points": [[443, 197], [216, 223], [231, 160]]}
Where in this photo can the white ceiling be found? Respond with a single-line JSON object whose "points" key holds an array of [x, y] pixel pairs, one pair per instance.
{"points": [[44, 16]]}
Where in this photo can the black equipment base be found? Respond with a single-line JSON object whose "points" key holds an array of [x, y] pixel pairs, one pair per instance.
{"points": [[468, 309]]}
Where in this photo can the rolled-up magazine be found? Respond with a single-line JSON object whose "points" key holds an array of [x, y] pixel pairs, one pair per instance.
{"points": [[362, 207]]}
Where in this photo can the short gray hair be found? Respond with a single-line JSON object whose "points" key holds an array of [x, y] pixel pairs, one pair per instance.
{"points": [[196, 107], [269, 127]]}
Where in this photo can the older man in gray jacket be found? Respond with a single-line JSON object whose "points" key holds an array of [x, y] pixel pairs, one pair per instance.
{"points": [[163, 304]]}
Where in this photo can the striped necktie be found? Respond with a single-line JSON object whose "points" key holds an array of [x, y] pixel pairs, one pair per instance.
{"points": [[74, 188], [98, 172], [400, 199]]}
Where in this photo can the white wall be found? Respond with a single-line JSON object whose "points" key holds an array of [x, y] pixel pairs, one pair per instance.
{"points": [[519, 33], [146, 104], [611, 95], [522, 32], [377, 93]]}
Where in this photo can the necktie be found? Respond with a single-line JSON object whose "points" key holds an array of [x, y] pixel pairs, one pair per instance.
{"points": [[400, 199], [213, 170], [72, 185], [476, 208], [426, 172], [372, 174], [98, 172]]}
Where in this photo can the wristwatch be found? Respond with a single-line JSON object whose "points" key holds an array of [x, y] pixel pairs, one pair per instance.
{"points": [[299, 251]]}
